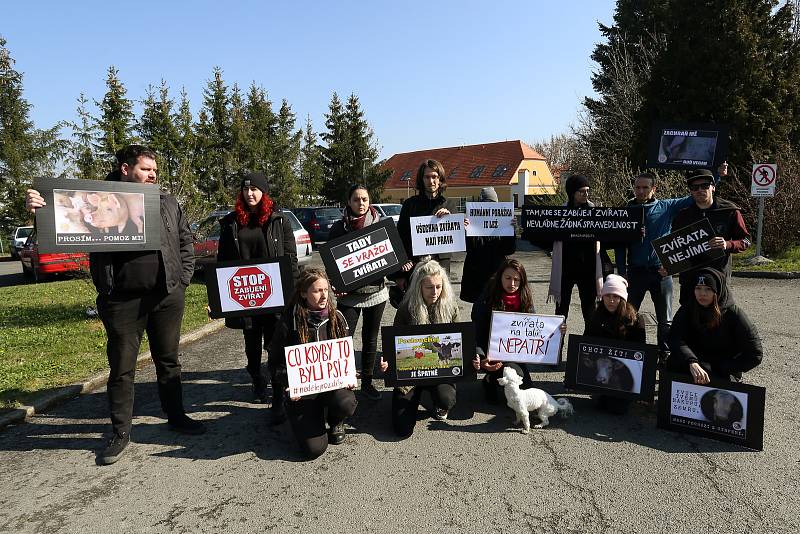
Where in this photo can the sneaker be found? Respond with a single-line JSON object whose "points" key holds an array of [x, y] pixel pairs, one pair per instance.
{"points": [[259, 390], [370, 391], [440, 414], [336, 434], [185, 425], [114, 449]]}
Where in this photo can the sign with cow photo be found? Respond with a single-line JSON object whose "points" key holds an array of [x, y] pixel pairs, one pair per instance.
{"points": [[721, 410], [611, 367], [490, 219], [525, 338], [438, 235], [97, 216], [553, 223], [320, 366], [248, 287], [360, 258], [687, 248], [428, 354]]}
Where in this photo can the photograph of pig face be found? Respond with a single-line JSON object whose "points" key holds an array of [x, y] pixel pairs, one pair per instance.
{"points": [[607, 372], [98, 212], [722, 408]]}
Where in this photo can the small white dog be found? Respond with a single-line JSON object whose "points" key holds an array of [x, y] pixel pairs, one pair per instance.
{"points": [[523, 401]]}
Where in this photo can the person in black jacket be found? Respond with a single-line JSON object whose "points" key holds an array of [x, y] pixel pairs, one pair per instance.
{"points": [[138, 292], [311, 316], [711, 336], [429, 200], [256, 229]]}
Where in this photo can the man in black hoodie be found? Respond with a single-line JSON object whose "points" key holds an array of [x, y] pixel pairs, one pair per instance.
{"points": [[142, 291], [725, 217]]}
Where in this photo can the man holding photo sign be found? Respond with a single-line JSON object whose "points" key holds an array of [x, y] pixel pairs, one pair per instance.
{"points": [[142, 291]]}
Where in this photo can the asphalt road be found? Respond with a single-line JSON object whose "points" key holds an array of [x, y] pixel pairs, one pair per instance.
{"points": [[11, 273], [594, 473]]}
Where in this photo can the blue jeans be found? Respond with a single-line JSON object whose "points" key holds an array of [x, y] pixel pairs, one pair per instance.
{"points": [[644, 279]]}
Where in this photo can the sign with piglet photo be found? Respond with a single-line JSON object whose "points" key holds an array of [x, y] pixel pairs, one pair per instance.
{"points": [[525, 338], [687, 248], [360, 258], [248, 287], [320, 366]]}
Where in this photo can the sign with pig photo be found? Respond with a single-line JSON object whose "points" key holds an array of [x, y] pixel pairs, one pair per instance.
{"points": [[97, 216], [360, 258], [320, 366], [611, 367], [428, 354], [725, 411], [525, 337]]}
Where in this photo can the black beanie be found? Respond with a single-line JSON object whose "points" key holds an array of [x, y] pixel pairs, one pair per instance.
{"points": [[696, 174], [575, 182], [710, 278], [256, 179]]}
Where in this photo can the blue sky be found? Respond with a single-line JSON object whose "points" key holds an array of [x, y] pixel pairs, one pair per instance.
{"points": [[429, 74]]}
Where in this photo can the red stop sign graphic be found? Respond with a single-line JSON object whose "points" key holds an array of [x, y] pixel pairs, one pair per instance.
{"points": [[250, 287]]}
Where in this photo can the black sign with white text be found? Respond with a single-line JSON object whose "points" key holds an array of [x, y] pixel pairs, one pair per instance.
{"points": [[687, 248], [550, 223], [687, 146]]}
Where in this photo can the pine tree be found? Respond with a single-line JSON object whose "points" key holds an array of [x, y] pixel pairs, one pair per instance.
{"points": [[216, 133], [114, 126], [159, 133], [239, 134], [312, 171], [186, 155], [262, 125], [336, 156], [285, 154], [82, 146], [363, 165], [25, 152]]}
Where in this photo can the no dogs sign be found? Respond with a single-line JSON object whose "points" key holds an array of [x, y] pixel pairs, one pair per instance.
{"points": [[248, 287]]}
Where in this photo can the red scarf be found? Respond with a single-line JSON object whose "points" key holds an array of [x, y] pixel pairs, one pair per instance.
{"points": [[512, 302]]}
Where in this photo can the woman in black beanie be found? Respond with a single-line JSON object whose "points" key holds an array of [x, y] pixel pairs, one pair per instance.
{"points": [[256, 229]]}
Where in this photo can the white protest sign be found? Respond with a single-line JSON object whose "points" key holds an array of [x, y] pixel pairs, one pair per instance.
{"points": [[763, 180], [320, 366], [250, 287], [525, 338], [490, 218], [438, 235]]}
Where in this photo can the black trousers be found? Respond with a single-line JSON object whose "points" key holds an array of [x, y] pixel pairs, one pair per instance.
{"points": [[256, 339], [369, 335], [405, 405], [308, 415], [125, 320], [587, 291]]}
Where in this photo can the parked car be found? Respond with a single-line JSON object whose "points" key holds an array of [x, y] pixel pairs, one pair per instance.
{"points": [[39, 266], [207, 232], [17, 240], [389, 210], [318, 221]]}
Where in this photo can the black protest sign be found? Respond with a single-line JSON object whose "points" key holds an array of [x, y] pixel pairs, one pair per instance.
{"points": [[359, 258], [687, 248], [611, 367], [551, 223], [428, 354], [687, 146], [97, 216], [721, 410], [242, 288]]}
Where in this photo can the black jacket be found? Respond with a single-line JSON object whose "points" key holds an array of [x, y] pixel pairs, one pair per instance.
{"points": [[603, 324], [177, 251], [484, 256], [278, 235], [418, 206], [482, 318]]}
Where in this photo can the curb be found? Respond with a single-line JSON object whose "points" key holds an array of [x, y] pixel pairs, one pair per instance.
{"points": [[65, 393], [774, 275]]}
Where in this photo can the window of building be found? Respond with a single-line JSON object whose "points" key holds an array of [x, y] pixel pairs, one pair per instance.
{"points": [[477, 171], [406, 176], [452, 173], [500, 171]]}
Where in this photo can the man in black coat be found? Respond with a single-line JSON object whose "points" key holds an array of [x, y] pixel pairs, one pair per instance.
{"points": [[142, 291]]}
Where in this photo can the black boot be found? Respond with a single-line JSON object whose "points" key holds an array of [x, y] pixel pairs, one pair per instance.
{"points": [[180, 422], [259, 389], [277, 413], [114, 449]]}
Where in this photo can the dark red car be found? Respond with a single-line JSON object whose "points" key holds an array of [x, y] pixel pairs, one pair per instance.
{"points": [[39, 266]]}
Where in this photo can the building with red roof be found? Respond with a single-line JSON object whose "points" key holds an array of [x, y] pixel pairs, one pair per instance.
{"points": [[513, 168]]}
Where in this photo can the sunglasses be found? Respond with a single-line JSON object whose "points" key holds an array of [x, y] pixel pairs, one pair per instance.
{"points": [[698, 187]]}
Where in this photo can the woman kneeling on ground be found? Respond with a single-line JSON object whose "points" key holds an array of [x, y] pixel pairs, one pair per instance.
{"points": [[711, 337], [311, 316], [429, 300]]}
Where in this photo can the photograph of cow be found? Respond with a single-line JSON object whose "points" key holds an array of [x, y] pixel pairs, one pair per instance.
{"points": [[605, 372]]}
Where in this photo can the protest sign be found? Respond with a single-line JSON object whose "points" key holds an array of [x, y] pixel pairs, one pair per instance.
{"points": [[359, 258], [490, 219], [320, 366], [551, 223], [438, 235], [687, 146], [611, 367], [428, 354], [97, 216], [721, 410], [687, 248], [525, 337], [248, 287]]}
